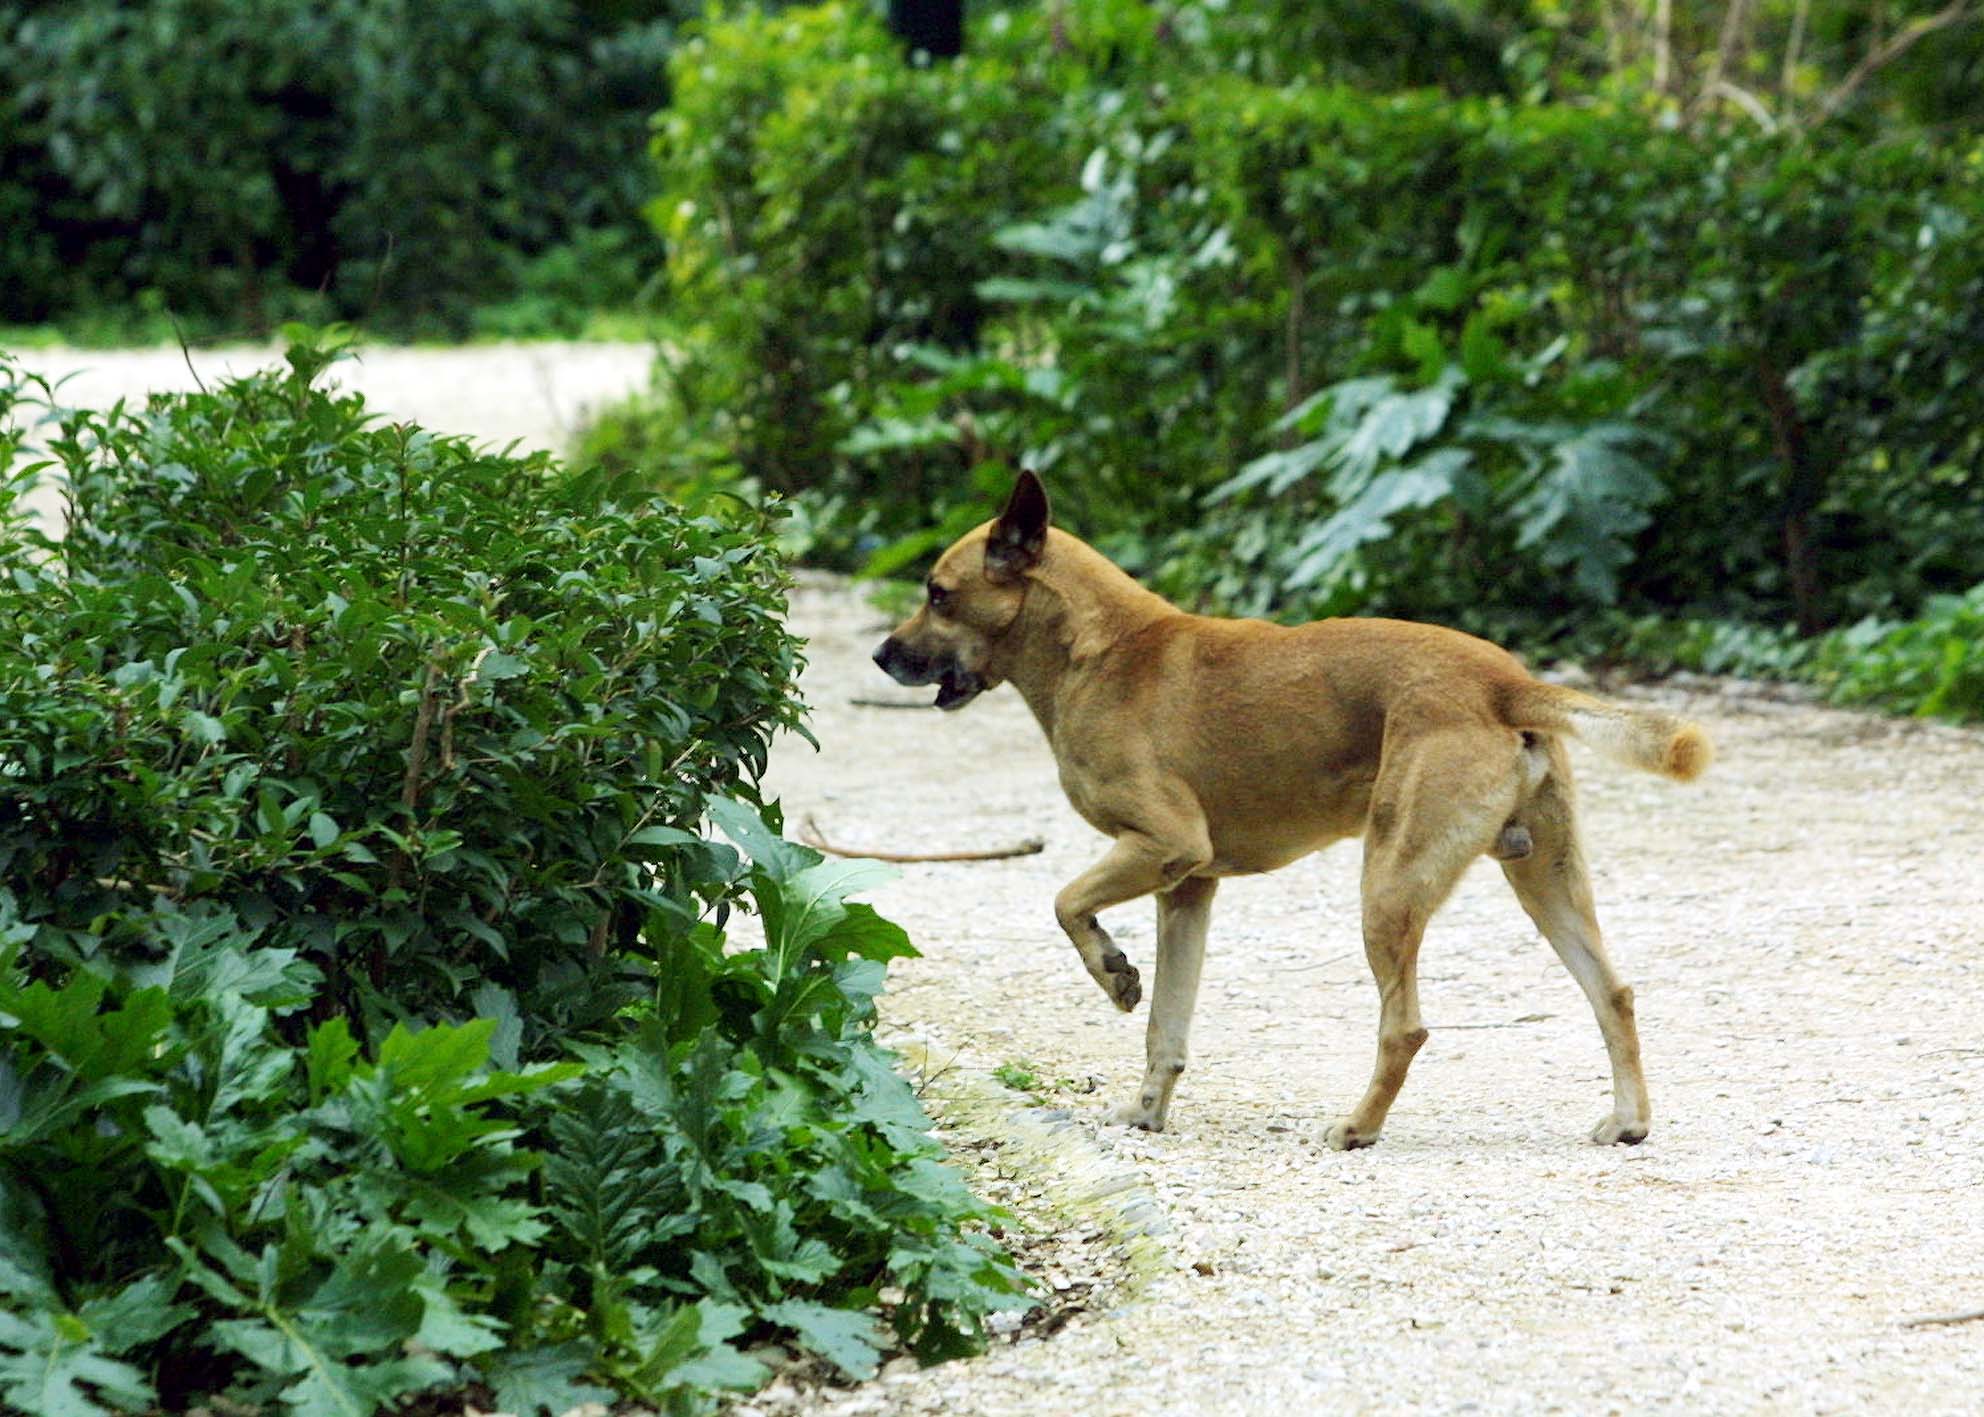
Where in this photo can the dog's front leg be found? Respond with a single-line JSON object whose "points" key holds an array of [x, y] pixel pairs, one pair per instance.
{"points": [[1136, 865], [1182, 915]]}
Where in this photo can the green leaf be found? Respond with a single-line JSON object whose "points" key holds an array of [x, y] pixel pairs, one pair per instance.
{"points": [[1368, 516], [331, 1057], [1394, 424], [96, 1045], [340, 1347], [51, 1366], [1588, 500], [212, 953], [544, 1382], [1482, 353], [847, 1338], [493, 1001], [445, 1328], [135, 1316], [1446, 289], [862, 932], [771, 853], [204, 729], [439, 1058], [498, 665]]}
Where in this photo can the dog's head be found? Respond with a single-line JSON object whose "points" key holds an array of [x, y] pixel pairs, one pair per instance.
{"points": [[970, 601]]}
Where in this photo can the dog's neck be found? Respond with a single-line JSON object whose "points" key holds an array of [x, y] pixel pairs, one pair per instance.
{"points": [[1079, 605]]}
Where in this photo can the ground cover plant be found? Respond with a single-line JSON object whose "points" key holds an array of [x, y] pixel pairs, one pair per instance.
{"points": [[368, 1026]]}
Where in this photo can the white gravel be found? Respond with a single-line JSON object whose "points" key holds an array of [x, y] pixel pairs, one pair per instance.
{"points": [[1804, 931]]}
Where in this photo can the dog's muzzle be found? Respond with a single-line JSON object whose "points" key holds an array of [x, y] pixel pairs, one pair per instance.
{"points": [[956, 685]]}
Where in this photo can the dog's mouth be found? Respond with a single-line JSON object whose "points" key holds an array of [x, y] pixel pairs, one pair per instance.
{"points": [[958, 687]]}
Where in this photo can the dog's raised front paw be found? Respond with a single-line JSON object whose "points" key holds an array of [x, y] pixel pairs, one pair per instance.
{"points": [[1613, 1132], [1121, 982], [1341, 1136]]}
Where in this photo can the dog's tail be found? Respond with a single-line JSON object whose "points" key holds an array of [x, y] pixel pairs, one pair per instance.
{"points": [[1641, 738]]}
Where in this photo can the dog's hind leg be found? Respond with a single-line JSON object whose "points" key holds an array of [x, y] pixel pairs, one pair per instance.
{"points": [[1138, 864], [1555, 890], [1394, 923], [1182, 915], [1436, 807]]}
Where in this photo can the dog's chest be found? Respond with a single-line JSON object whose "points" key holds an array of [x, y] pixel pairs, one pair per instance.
{"points": [[1086, 788]]}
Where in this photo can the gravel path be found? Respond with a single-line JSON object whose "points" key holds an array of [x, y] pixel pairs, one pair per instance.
{"points": [[1805, 934], [536, 393]]}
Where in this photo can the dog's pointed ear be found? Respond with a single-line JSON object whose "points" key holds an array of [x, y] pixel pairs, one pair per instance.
{"points": [[1020, 534]]}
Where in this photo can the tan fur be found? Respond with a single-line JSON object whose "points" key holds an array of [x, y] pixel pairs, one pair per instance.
{"points": [[1208, 747]]}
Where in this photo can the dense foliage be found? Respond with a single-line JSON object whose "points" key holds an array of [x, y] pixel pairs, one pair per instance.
{"points": [[1538, 344], [242, 163], [367, 1023]]}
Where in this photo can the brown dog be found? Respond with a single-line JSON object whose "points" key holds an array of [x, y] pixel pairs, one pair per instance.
{"points": [[1211, 748]]}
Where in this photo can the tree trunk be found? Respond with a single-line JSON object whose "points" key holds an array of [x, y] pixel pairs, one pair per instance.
{"points": [[1804, 485], [1291, 337]]}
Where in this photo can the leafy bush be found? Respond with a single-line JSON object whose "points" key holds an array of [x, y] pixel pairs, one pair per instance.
{"points": [[1932, 666], [367, 1024], [390, 695], [1710, 373], [248, 163], [824, 203]]}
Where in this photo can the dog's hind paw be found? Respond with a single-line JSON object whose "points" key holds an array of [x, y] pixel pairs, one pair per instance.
{"points": [[1613, 1132], [1121, 982], [1341, 1136], [1139, 1116]]}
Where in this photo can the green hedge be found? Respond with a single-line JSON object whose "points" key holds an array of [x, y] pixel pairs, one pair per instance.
{"points": [[824, 205], [1494, 361], [367, 1023], [243, 163]]}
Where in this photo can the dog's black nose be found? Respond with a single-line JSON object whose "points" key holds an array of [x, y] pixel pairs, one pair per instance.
{"points": [[883, 651]]}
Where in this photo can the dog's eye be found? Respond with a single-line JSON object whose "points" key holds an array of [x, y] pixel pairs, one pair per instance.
{"points": [[937, 594]]}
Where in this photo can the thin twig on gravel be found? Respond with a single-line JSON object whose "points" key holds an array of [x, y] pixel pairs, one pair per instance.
{"points": [[809, 832], [892, 703], [1319, 964], [1934, 1320]]}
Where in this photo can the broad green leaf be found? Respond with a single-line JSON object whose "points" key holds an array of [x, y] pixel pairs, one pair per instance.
{"points": [[97, 1045], [864, 933], [771, 853], [51, 1366], [493, 1001], [330, 1058], [847, 1338], [544, 1382], [438, 1058], [500, 665], [1586, 503], [1393, 425], [446, 1328], [1368, 516], [135, 1316]]}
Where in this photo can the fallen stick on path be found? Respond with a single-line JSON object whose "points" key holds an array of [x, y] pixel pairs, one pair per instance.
{"points": [[892, 703], [1933, 1320], [809, 832]]}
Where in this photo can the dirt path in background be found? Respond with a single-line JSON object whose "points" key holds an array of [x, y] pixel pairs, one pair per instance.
{"points": [[538, 394], [1805, 933]]}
